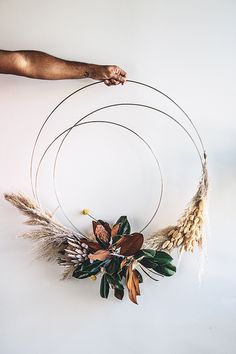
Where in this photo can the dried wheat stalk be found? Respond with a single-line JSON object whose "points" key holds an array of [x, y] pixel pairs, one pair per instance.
{"points": [[187, 233]]}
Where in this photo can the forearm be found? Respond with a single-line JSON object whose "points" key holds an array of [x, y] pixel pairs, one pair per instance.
{"points": [[40, 65]]}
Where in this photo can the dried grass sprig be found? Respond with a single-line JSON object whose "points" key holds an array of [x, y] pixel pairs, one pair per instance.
{"points": [[158, 238], [50, 236], [29, 208], [188, 232]]}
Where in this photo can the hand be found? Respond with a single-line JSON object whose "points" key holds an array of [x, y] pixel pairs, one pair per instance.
{"points": [[110, 74]]}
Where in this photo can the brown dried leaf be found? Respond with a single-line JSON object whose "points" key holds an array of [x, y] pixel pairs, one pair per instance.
{"points": [[132, 284], [102, 231], [130, 244], [136, 281], [94, 246], [99, 255], [115, 230], [123, 263], [119, 293]]}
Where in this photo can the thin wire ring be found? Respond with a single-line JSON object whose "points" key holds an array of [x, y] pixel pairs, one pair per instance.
{"points": [[133, 132], [92, 84], [101, 108]]}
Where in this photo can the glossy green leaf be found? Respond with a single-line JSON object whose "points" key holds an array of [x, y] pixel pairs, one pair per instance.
{"points": [[122, 273], [162, 258], [88, 267], [148, 262], [148, 253], [166, 270], [114, 265], [104, 287], [81, 275], [114, 281], [158, 257]]}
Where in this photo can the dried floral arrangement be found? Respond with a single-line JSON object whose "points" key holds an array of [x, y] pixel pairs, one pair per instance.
{"points": [[114, 254]]}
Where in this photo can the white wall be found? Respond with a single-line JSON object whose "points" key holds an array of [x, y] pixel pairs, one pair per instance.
{"points": [[185, 48]]}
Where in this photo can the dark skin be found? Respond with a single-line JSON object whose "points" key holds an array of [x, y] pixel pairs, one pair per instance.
{"points": [[39, 65]]}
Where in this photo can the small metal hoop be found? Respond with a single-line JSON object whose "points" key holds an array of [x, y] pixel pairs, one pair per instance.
{"points": [[131, 131]]}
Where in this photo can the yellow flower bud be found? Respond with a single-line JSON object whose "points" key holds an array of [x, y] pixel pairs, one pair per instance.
{"points": [[85, 211], [93, 277]]}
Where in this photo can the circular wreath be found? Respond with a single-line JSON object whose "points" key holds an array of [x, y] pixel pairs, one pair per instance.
{"points": [[113, 253]]}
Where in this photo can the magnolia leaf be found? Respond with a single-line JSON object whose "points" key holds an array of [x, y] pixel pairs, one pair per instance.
{"points": [[94, 246], [167, 270], [87, 266], [140, 278], [132, 283], [124, 228], [151, 259], [102, 234], [104, 287], [130, 244], [114, 265], [162, 258], [102, 231], [103, 223], [114, 281], [99, 255], [136, 281], [116, 238], [87, 269], [123, 263], [147, 262], [82, 275], [158, 257], [148, 253], [119, 293], [115, 229]]}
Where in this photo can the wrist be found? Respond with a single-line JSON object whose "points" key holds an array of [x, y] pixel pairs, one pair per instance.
{"points": [[82, 70], [90, 70]]}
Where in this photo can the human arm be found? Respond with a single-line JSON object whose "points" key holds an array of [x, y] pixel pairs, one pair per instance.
{"points": [[39, 65]]}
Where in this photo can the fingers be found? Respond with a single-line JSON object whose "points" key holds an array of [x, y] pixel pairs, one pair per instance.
{"points": [[113, 82], [123, 73], [119, 75], [107, 82], [115, 76]]}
